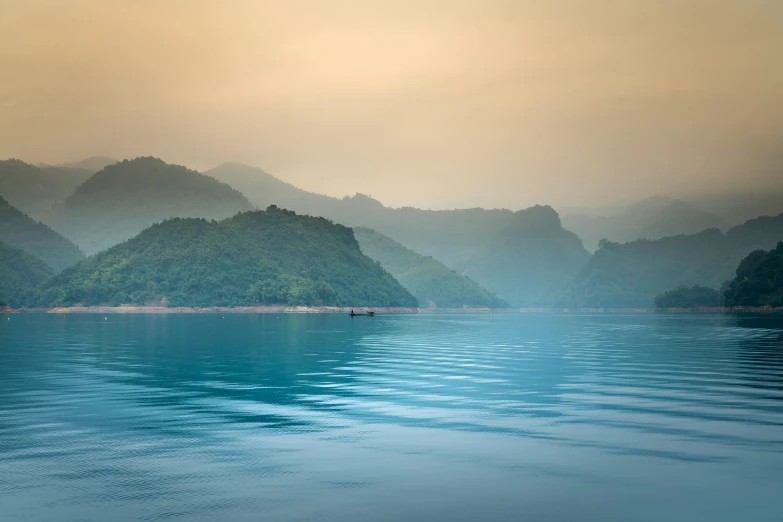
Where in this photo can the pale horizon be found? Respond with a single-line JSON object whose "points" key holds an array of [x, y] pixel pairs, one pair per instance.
{"points": [[434, 105]]}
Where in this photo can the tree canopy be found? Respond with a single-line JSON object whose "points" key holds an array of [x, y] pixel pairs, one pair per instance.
{"points": [[759, 280], [20, 275], [254, 258], [695, 296]]}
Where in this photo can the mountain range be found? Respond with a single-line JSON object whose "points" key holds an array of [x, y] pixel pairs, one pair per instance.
{"points": [[36, 191], [523, 256], [429, 280], [446, 258], [124, 198], [651, 218], [633, 273]]}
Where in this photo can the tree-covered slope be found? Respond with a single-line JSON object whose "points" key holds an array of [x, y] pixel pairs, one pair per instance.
{"points": [[37, 190], [126, 197], [688, 297], [253, 258], [20, 275], [758, 280], [20, 231], [521, 256], [632, 274], [429, 280]]}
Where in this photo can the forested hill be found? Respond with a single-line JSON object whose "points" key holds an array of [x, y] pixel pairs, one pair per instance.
{"points": [[758, 280], [253, 258], [524, 256], [37, 190], [126, 197], [429, 280], [18, 230], [632, 274], [20, 275]]}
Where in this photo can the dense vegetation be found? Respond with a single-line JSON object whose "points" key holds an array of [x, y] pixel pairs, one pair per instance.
{"points": [[759, 280], [36, 191], [632, 274], [523, 257], [695, 296], [19, 231], [20, 275], [429, 280], [271, 257], [126, 197]]}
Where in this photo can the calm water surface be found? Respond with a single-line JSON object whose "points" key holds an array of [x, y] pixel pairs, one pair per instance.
{"points": [[399, 417]]}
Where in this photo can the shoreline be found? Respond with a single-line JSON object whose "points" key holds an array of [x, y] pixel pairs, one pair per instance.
{"points": [[129, 309]]}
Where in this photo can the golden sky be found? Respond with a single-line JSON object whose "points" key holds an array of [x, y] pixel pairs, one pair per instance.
{"points": [[426, 103]]}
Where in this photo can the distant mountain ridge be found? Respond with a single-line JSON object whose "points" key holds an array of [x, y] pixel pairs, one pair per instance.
{"points": [[37, 190], [124, 198], [528, 272], [429, 280], [632, 274], [93, 163], [20, 231], [652, 218], [254, 258]]}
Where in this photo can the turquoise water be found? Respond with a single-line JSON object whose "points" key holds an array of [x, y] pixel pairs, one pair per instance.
{"points": [[397, 417]]}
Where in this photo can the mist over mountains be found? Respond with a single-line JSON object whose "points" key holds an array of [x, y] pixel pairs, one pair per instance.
{"points": [[20, 231], [652, 218], [445, 258], [36, 191], [632, 274], [124, 198], [522, 256]]}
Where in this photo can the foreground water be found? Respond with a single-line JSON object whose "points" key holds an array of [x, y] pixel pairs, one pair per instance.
{"points": [[407, 417]]}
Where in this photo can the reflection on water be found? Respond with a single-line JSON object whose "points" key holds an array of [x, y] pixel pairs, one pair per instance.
{"points": [[454, 417]]}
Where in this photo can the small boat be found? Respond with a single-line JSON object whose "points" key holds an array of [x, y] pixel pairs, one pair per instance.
{"points": [[369, 314]]}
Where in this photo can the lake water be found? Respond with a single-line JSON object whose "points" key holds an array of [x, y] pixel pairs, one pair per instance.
{"points": [[504, 417]]}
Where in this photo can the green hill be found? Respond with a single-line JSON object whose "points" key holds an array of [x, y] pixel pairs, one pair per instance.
{"points": [[20, 275], [523, 256], [253, 258], [632, 274], [19, 231], [126, 197], [429, 280], [758, 280], [37, 190]]}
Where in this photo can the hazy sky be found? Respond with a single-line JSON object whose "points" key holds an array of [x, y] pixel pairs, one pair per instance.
{"points": [[427, 103]]}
